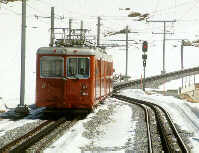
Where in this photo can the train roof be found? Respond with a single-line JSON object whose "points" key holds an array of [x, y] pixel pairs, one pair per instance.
{"points": [[100, 53]]}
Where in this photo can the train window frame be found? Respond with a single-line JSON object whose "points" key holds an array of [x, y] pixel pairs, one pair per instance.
{"points": [[79, 76], [50, 58]]}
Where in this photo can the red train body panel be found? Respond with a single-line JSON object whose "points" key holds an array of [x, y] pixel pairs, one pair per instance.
{"points": [[72, 78]]}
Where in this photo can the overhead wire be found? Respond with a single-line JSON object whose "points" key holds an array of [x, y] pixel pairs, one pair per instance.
{"points": [[48, 3], [105, 18], [156, 6], [188, 12], [12, 11], [170, 8], [189, 9], [19, 14]]}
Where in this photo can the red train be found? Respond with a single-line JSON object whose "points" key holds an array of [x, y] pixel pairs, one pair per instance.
{"points": [[72, 78]]}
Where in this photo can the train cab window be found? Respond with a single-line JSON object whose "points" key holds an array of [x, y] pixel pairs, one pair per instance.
{"points": [[51, 66], [78, 67]]}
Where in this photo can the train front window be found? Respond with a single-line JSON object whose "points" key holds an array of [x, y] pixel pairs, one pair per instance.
{"points": [[51, 66], [78, 67]]}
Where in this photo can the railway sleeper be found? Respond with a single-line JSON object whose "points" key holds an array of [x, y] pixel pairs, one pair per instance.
{"points": [[169, 138]]}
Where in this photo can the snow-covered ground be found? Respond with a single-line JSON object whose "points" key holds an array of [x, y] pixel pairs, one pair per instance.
{"points": [[185, 114], [112, 134], [84, 138], [121, 126]]}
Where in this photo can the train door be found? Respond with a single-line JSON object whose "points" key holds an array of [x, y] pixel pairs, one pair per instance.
{"points": [[50, 81], [78, 77]]}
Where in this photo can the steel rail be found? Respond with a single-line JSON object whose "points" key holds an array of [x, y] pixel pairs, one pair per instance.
{"points": [[148, 131], [21, 148], [49, 140], [169, 145], [147, 119], [18, 140], [176, 133]]}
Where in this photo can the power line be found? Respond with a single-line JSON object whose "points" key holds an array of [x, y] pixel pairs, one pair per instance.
{"points": [[171, 8], [48, 3], [164, 34], [189, 10], [156, 7], [12, 11]]}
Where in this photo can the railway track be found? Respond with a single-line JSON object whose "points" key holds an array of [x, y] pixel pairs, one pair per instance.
{"points": [[170, 138], [38, 136]]}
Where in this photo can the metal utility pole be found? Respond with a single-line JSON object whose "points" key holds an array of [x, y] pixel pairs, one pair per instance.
{"points": [[126, 73], [163, 69], [52, 27], [82, 32], [164, 37], [81, 26], [98, 30], [23, 47], [70, 29], [181, 56], [23, 109], [126, 40], [182, 60]]}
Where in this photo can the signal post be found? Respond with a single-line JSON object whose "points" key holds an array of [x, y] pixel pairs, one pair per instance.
{"points": [[144, 58]]}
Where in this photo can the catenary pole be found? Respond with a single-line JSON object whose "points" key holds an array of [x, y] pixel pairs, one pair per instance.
{"points": [[98, 30], [70, 29], [126, 45], [23, 45], [126, 73], [52, 27], [164, 37], [81, 27], [164, 71], [182, 66], [181, 56]]}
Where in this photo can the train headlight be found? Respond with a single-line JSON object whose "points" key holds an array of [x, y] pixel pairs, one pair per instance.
{"points": [[84, 94], [84, 86]]}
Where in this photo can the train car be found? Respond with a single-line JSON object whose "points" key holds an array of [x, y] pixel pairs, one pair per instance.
{"points": [[72, 78]]}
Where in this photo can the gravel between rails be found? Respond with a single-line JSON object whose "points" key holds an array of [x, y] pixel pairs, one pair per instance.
{"points": [[140, 143], [156, 140], [137, 142], [52, 137], [18, 132]]}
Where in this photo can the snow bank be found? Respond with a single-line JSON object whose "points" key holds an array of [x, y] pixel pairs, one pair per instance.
{"points": [[111, 132], [3, 107], [183, 113]]}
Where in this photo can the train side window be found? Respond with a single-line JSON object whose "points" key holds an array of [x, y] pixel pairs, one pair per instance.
{"points": [[51, 66], [78, 67]]}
